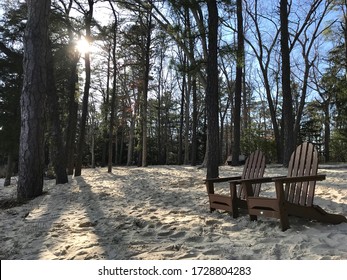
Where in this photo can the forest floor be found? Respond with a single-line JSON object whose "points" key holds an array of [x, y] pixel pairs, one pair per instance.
{"points": [[161, 212]]}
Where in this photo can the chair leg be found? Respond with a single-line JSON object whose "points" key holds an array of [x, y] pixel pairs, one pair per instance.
{"points": [[235, 210], [253, 217], [284, 219], [281, 207], [233, 196]]}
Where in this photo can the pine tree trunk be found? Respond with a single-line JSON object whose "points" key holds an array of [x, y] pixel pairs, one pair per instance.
{"points": [[82, 133], [159, 117], [106, 110], [131, 141], [194, 124], [32, 101], [238, 86], [187, 120], [113, 104], [58, 149], [71, 129], [212, 93], [145, 90], [183, 94]]}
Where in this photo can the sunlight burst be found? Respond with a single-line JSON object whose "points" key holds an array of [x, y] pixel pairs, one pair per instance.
{"points": [[83, 46]]}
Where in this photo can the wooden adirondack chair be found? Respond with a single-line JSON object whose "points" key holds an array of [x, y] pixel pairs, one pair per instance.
{"points": [[294, 192], [254, 168]]}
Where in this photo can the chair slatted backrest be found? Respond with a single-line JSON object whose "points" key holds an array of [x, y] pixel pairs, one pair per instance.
{"points": [[303, 162], [254, 168]]}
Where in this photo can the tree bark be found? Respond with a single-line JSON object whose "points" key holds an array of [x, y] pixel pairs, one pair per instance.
{"points": [[33, 100], [327, 132], [70, 146], [113, 105], [287, 108], [72, 119], [58, 149], [183, 96], [82, 133], [236, 149], [145, 88], [106, 109], [194, 124], [212, 93], [187, 120]]}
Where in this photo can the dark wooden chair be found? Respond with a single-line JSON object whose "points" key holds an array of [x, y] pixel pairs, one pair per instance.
{"points": [[254, 168], [294, 192]]}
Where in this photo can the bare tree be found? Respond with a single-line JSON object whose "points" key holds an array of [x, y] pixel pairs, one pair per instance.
{"points": [[310, 31], [287, 108], [263, 52]]}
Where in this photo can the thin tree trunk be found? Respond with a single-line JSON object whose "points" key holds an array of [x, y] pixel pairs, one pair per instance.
{"points": [[72, 115], [159, 118], [82, 133], [92, 145], [238, 86], [183, 94], [194, 124], [114, 93], [145, 90], [113, 101], [131, 141], [278, 139], [71, 128], [287, 115], [187, 120], [9, 169], [167, 134], [107, 100], [58, 148], [245, 99], [326, 108], [188, 90]]}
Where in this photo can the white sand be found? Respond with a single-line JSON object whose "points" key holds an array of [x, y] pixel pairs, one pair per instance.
{"points": [[162, 212]]}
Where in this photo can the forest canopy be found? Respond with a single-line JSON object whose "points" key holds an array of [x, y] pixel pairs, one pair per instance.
{"points": [[128, 81]]}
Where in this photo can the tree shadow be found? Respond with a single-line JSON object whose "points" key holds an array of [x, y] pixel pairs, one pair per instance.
{"points": [[45, 231], [146, 214]]}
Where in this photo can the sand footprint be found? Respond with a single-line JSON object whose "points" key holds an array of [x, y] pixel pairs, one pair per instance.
{"points": [[213, 222], [178, 235], [164, 233]]}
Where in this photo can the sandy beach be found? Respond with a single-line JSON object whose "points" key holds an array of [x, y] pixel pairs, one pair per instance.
{"points": [[161, 212]]}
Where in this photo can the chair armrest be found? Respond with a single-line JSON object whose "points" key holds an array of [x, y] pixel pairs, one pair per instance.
{"points": [[220, 180], [247, 184], [252, 181], [319, 177]]}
